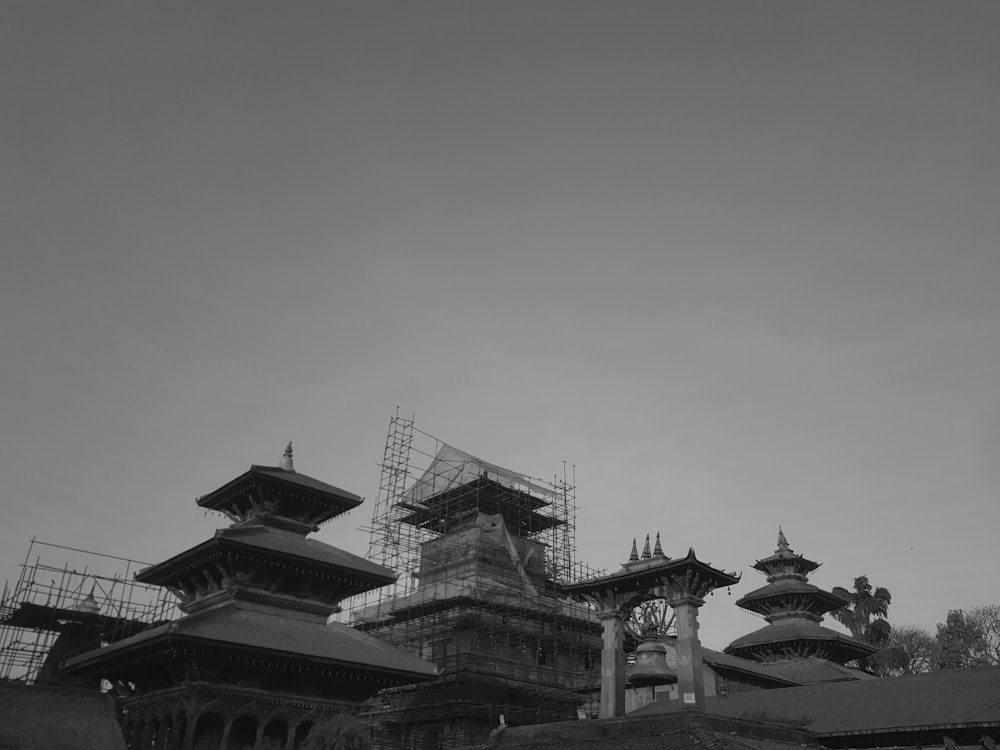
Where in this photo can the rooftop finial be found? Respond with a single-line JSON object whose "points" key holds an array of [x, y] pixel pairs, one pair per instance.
{"points": [[634, 557], [645, 550], [658, 549], [782, 542], [286, 460]]}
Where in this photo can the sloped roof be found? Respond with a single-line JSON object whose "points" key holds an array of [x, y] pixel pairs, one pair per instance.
{"points": [[310, 553], [57, 718], [687, 730], [935, 700], [257, 629], [730, 662], [452, 468], [812, 670], [790, 587], [335, 499], [788, 631]]}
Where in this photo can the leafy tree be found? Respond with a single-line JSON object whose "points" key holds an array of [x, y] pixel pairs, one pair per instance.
{"points": [[961, 642], [987, 617], [342, 732], [910, 650]]}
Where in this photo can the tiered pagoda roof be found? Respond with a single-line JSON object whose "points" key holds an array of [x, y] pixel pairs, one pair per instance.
{"points": [[256, 598], [458, 486], [793, 609]]}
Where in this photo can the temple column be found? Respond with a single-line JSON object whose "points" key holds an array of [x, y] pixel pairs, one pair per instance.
{"points": [[226, 729], [690, 671], [178, 729], [190, 724], [612, 664]]}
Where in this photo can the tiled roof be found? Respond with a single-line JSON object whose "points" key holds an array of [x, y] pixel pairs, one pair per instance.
{"points": [[695, 738], [665, 731], [288, 544], [790, 630], [723, 662], [306, 482], [935, 700], [791, 586], [257, 629], [812, 670], [337, 500], [57, 718]]}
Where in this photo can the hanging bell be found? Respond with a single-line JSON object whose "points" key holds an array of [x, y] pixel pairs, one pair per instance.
{"points": [[651, 664]]}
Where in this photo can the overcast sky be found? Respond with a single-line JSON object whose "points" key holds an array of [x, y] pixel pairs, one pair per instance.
{"points": [[736, 261]]}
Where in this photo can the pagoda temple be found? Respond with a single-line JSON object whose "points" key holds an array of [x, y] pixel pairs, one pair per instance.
{"points": [[512, 649], [253, 662], [793, 609]]}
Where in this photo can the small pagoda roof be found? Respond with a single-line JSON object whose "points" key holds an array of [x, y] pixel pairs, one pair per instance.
{"points": [[790, 632], [452, 507], [784, 555], [266, 541], [330, 501], [253, 629], [824, 600], [648, 572]]}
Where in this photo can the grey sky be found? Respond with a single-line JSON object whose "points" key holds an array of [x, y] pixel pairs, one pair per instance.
{"points": [[736, 261]]}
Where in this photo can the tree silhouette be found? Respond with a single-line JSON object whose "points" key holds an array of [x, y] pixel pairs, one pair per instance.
{"points": [[864, 615], [864, 604], [342, 732], [961, 642]]}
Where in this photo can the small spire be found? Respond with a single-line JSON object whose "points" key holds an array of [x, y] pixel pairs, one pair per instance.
{"points": [[88, 604], [634, 557], [286, 460], [645, 550], [782, 542], [658, 549]]}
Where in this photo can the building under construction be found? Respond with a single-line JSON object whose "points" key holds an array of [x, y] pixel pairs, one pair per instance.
{"points": [[67, 601], [481, 551]]}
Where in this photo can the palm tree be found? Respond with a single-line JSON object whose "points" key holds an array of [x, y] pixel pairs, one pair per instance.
{"points": [[864, 615], [863, 605]]}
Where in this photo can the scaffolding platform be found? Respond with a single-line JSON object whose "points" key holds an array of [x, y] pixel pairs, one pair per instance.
{"points": [[60, 588], [481, 552]]}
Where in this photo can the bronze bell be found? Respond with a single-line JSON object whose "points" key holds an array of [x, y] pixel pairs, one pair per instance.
{"points": [[651, 664]]}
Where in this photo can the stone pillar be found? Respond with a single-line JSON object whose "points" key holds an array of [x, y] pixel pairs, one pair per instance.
{"points": [[190, 724], [612, 665], [690, 670], [178, 729], [226, 729]]}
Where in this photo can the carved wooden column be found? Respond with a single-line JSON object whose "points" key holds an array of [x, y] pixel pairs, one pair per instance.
{"points": [[690, 671], [685, 589], [612, 664]]}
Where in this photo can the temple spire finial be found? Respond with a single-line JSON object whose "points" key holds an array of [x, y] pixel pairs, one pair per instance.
{"points": [[782, 542], [286, 460], [634, 557], [646, 554], [658, 548]]}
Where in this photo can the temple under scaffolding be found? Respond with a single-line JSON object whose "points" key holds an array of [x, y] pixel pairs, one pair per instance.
{"points": [[483, 551]]}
